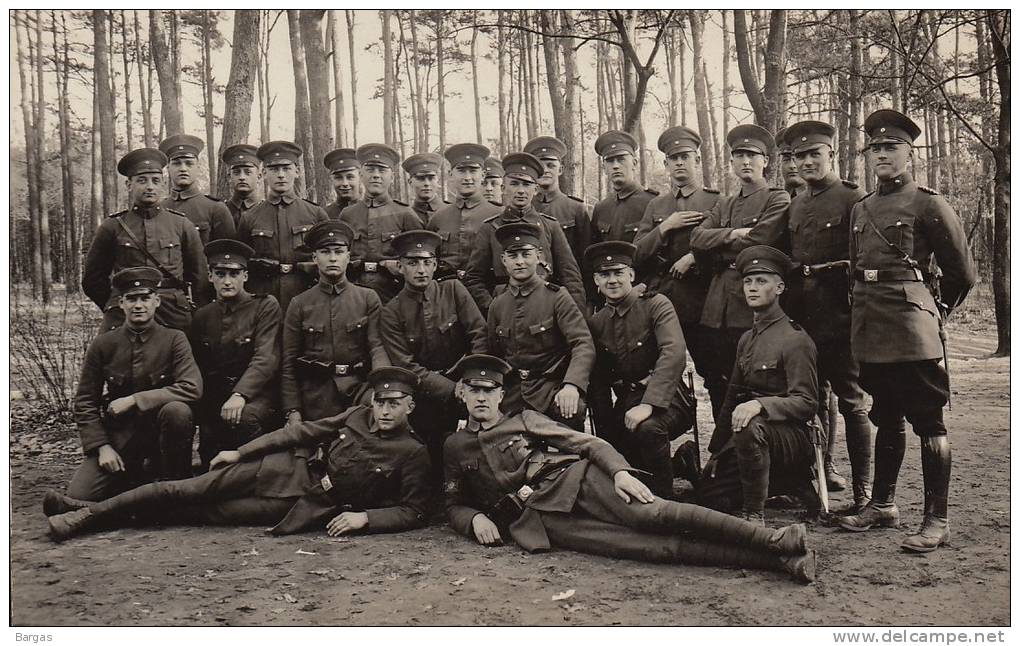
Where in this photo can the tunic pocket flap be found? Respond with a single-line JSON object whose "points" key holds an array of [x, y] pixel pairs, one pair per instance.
{"points": [[202, 226], [386, 237], [445, 235], [567, 225], [357, 324], [769, 364], [381, 470], [301, 228], [829, 223], [539, 328], [502, 332], [469, 465], [263, 233], [631, 228], [314, 329], [168, 244], [446, 325]]}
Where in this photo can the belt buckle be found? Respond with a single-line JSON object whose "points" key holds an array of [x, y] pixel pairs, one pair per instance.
{"points": [[341, 370], [871, 275], [327, 484], [461, 273], [523, 373], [371, 266], [285, 269], [806, 269], [525, 492]]}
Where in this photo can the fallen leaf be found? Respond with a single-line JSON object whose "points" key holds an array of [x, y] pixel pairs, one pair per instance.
{"points": [[288, 598], [300, 551], [563, 595], [253, 552], [459, 581], [320, 572]]}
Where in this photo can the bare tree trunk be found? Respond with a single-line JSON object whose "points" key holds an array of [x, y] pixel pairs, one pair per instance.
{"points": [[142, 91], [474, 79], [318, 95], [683, 81], [853, 133], [412, 95], [552, 68], [568, 183], [96, 211], [696, 19], [111, 30], [40, 130], [726, 179], [333, 32], [713, 137], [421, 117], [106, 112], [387, 39], [440, 62], [504, 135], [671, 47], [207, 96], [261, 76], [169, 90], [999, 29], [354, 77], [240, 93], [61, 59], [30, 156], [302, 111], [128, 116]]}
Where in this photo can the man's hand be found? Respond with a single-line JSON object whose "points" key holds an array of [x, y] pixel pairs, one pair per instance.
{"points": [[485, 530], [231, 411], [294, 417], [682, 266], [627, 487], [391, 266], [743, 413], [681, 219], [109, 459], [347, 522], [121, 405], [740, 234], [225, 457], [636, 415], [708, 471], [567, 400]]}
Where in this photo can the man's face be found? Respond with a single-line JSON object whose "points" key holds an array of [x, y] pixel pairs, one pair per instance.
{"points": [[492, 188], [424, 185], [521, 264], [417, 271], [682, 167], [182, 171], [551, 174], [620, 169], [615, 283], [814, 165], [392, 413], [466, 180], [139, 308], [146, 189], [518, 193], [762, 289], [281, 177], [791, 176], [345, 183], [332, 260], [889, 160], [482, 403], [749, 167], [243, 179], [228, 282], [376, 179]]}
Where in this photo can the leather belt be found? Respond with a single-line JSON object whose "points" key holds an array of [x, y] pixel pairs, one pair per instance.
{"points": [[370, 266], [810, 270], [523, 373], [884, 275], [286, 268]]}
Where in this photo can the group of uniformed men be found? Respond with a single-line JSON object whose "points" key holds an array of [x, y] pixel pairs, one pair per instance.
{"points": [[347, 327]]}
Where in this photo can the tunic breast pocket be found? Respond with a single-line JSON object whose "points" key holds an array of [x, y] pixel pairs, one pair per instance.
{"points": [[502, 340], [264, 242], [170, 250], [380, 478], [314, 337], [203, 231], [767, 375], [343, 452], [128, 254], [629, 231], [832, 238], [297, 236], [244, 347], [357, 334], [604, 229], [514, 452], [544, 333], [901, 234]]}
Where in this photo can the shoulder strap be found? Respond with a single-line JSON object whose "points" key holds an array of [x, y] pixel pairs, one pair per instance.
{"points": [[867, 220], [166, 272]]}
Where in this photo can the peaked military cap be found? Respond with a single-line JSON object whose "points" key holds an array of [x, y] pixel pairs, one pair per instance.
{"points": [[679, 139], [482, 370], [341, 159], [763, 259], [136, 280], [890, 126], [612, 254], [809, 135], [750, 137], [466, 155], [523, 166], [277, 153], [328, 232], [423, 163], [493, 168], [140, 161], [227, 253], [378, 155], [518, 235], [417, 243], [181, 145], [615, 142], [392, 382], [240, 155], [546, 148]]}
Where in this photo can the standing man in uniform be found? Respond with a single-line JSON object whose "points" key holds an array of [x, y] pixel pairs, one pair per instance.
{"points": [[423, 176], [755, 215], [569, 211], [818, 298], [345, 168], [457, 223], [539, 330], [376, 220], [792, 180], [663, 243], [146, 234], [902, 236], [641, 355], [134, 398], [236, 340], [243, 177], [330, 333], [492, 182], [209, 214], [486, 274], [276, 227], [369, 474], [617, 216], [763, 444], [427, 328]]}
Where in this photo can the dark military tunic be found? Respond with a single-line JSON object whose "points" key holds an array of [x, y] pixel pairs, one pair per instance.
{"points": [[239, 207], [376, 221], [237, 346], [209, 214], [275, 229], [335, 208], [540, 331], [486, 275], [457, 225], [169, 237], [617, 217], [337, 326], [425, 210], [572, 214]]}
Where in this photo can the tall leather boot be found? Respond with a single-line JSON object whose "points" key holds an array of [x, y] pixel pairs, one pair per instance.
{"points": [[890, 444], [723, 528], [834, 480], [859, 447], [107, 512], [937, 464]]}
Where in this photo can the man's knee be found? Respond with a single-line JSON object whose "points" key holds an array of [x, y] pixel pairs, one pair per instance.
{"points": [[177, 417], [652, 431], [753, 436], [927, 422], [91, 482]]}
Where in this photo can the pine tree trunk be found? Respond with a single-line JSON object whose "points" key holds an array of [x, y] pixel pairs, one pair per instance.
{"points": [[106, 112], [726, 177], [683, 83], [474, 79], [30, 154], [128, 116], [143, 92], [207, 97], [333, 36], [240, 92], [568, 180], [40, 130], [387, 39], [96, 212], [853, 132], [421, 118], [553, 76], [697, 22], [349, 14], [998, 28], [411, 93], [72, 275], [302, 111], [501, 67], [318, 95], [169, 90], [440, 62]]}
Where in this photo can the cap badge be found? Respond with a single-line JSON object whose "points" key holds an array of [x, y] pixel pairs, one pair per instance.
{"points": [[481, 372], [331, 234], [746, 141], [803, 138], [385, 385], [226, 256], [754, 262], [418, 245], [881, 129]]}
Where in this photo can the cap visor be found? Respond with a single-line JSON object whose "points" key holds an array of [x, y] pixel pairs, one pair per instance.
{"points": [[482, 383]]}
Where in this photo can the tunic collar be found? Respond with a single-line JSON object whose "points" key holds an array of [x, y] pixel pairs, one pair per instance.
{"points": [[142, 335], [187, 193], [146, 212], [551, 196], [748, 191], [233, 304], [511, 214], [333, 288], [378, 200], [468, 202], [244, 204], [287, 198], [765, 320], [827, 182], [620, 309], [419, 296], [895, 184], [686, 190], [626, 191], [526, 288], [430, 205], [474, 426]]}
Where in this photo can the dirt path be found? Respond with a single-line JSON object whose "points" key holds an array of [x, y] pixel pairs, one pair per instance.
{"points": [[239, 576]]}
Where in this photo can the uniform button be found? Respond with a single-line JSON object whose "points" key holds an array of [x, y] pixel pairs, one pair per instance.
{"points": [[639, 344], [763, 366], [899, 223], [343, 436], [542, 328], [828, 224], [377, 469]]}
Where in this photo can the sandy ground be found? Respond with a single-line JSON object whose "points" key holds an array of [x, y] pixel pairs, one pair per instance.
{"points": [[241, 576]]}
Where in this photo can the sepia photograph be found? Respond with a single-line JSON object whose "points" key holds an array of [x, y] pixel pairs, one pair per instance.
{"points": [[686, 318]]}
